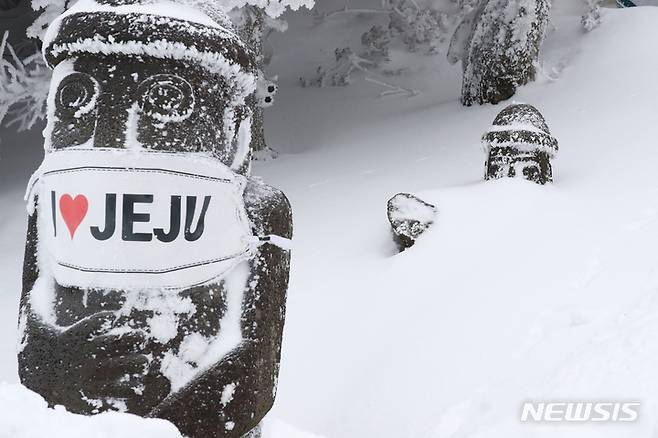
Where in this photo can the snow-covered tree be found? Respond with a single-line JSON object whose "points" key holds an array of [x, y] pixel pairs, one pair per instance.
{"points": [[498, 44], [592, 19]]}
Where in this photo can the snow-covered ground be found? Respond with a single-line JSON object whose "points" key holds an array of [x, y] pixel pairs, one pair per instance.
{"points": [[517, 293]]}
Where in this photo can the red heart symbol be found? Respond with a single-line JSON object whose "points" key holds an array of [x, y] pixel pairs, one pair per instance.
{"points": [[73, 211]]}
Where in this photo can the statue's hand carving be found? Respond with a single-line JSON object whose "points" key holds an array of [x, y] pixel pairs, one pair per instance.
{"points": [[89, 369], [231, 417], [108, 366]]}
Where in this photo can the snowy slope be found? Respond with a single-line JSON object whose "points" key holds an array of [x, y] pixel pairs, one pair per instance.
{"points": [[508, 297], [518, 292]]}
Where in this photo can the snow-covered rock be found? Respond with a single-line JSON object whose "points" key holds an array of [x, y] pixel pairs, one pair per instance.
{"points": [[25, 414], [410, 217]]}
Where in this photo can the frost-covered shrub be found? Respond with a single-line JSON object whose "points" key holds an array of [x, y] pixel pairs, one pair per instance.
{"points": [[498, 44], [23, 87], [273, 8], [347, 62], [376, 42], [417, 26], [50, 9], [592, 19]]}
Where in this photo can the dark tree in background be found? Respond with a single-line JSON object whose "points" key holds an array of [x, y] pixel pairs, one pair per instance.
{"points": [[254, 27], [498, 45], [251, 31]]}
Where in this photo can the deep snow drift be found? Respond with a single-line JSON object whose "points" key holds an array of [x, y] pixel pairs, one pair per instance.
{"points": [[518, 292]]}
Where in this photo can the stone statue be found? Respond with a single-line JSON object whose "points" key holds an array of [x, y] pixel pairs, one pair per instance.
{"points": [[156, 269], [519, 144]]}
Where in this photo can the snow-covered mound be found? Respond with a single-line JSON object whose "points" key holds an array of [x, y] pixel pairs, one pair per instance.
{"points": [[25, 414], [517, 293]]}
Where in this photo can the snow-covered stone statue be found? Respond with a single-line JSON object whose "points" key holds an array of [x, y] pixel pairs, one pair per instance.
{"points": [[498, 45], [519, 144], [156, 269], [410, 217]]}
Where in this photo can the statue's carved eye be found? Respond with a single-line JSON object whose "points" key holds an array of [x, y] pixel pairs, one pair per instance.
{"points": [[77, 95], [166, 98]]}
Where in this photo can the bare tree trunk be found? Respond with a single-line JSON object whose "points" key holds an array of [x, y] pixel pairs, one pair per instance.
{"points": [[15, 17], [253, 32], [499, 45]]}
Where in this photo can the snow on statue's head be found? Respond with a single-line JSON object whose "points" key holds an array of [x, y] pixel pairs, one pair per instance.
{"points": [[519, 144], [156, 270], [152, 75]]}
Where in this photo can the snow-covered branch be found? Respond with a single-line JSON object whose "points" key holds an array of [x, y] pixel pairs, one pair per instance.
{"points": [[418, 26], [392, 90], [23, 87]]}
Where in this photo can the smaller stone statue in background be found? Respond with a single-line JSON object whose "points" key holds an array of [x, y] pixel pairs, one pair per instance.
{"points": [[519, 144], [409, 217]]}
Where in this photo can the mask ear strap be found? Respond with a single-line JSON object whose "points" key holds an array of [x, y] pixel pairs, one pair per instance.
{"points": [[282, 242]]}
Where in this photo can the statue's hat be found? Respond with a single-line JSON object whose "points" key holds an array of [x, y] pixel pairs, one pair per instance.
{"points": [[523, 127], [153, 29]]}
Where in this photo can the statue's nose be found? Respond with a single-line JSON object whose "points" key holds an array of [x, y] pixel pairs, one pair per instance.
{"points": [[113, 117]]}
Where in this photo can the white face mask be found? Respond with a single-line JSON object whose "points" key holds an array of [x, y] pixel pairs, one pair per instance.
{"points": [[120, 219]]}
